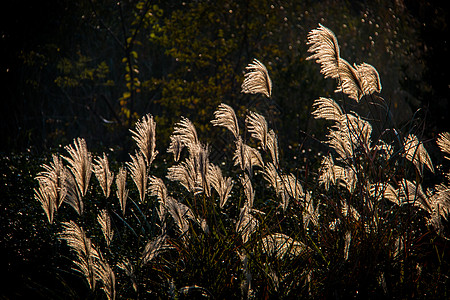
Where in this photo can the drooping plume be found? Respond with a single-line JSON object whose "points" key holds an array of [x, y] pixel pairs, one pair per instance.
{"points": [[145, 137], [257, 80], [324, 46], [104, 176], [226, 117], [80, 164], [138, 170], [122, 192]]}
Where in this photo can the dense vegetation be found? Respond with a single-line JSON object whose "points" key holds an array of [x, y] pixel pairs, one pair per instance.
{"points": [[203, 181]]}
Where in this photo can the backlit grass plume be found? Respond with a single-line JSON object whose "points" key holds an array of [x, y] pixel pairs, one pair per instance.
{"points": [[145, 137], [257, 79], [104, 176], [80, 164]]}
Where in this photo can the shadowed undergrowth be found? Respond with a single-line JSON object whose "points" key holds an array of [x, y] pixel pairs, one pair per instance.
{"points": [[365, 223]]}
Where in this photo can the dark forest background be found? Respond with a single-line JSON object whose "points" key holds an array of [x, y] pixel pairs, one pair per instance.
{"points": [[91, 69]]}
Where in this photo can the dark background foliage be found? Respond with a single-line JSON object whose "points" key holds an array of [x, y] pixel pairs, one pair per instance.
{"points": [[91, 68]]}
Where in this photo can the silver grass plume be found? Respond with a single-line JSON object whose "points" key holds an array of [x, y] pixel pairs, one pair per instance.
{"points": [[73, 196], [78, 241], [153, 248], [282, 245], [326, 175], [44, 195], [122, 192], [185, 173], [350, 83], [443, 142], [247, 157], [273, 147], [369, 77], [324, 46], [226, 117], [52, 188], [328, 109], [200, 155], [138, 170], [186, 131], [105, 274], [222, 185], [257, 80], [257, 126], [176, 146], [415, 152], [105, 224], [246, 224], [440, 206], [411, 193], [145, 137], [104, 176], [80, 164], [158, 189], [291, 189], [272, 176], [248, 190], [180, 214]]}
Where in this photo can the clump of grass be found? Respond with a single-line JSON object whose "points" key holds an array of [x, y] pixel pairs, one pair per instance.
{"points": [[363, 224]]}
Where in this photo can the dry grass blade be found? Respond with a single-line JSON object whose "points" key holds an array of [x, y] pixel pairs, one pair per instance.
{"points": [[152, 249], [350, 83], [326, 108], [138, 170], [145, 137], [80, 164], [257, 80], [324, 46], [347, 240], [384, 190], [77, 240], [370, 79], [226, 117], [105, 224], [122, 192], [248, 190], [416, 153], [104, 176], [272, 144]]}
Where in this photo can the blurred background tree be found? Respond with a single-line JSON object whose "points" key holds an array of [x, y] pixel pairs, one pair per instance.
{"points": [[91, 68]]}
